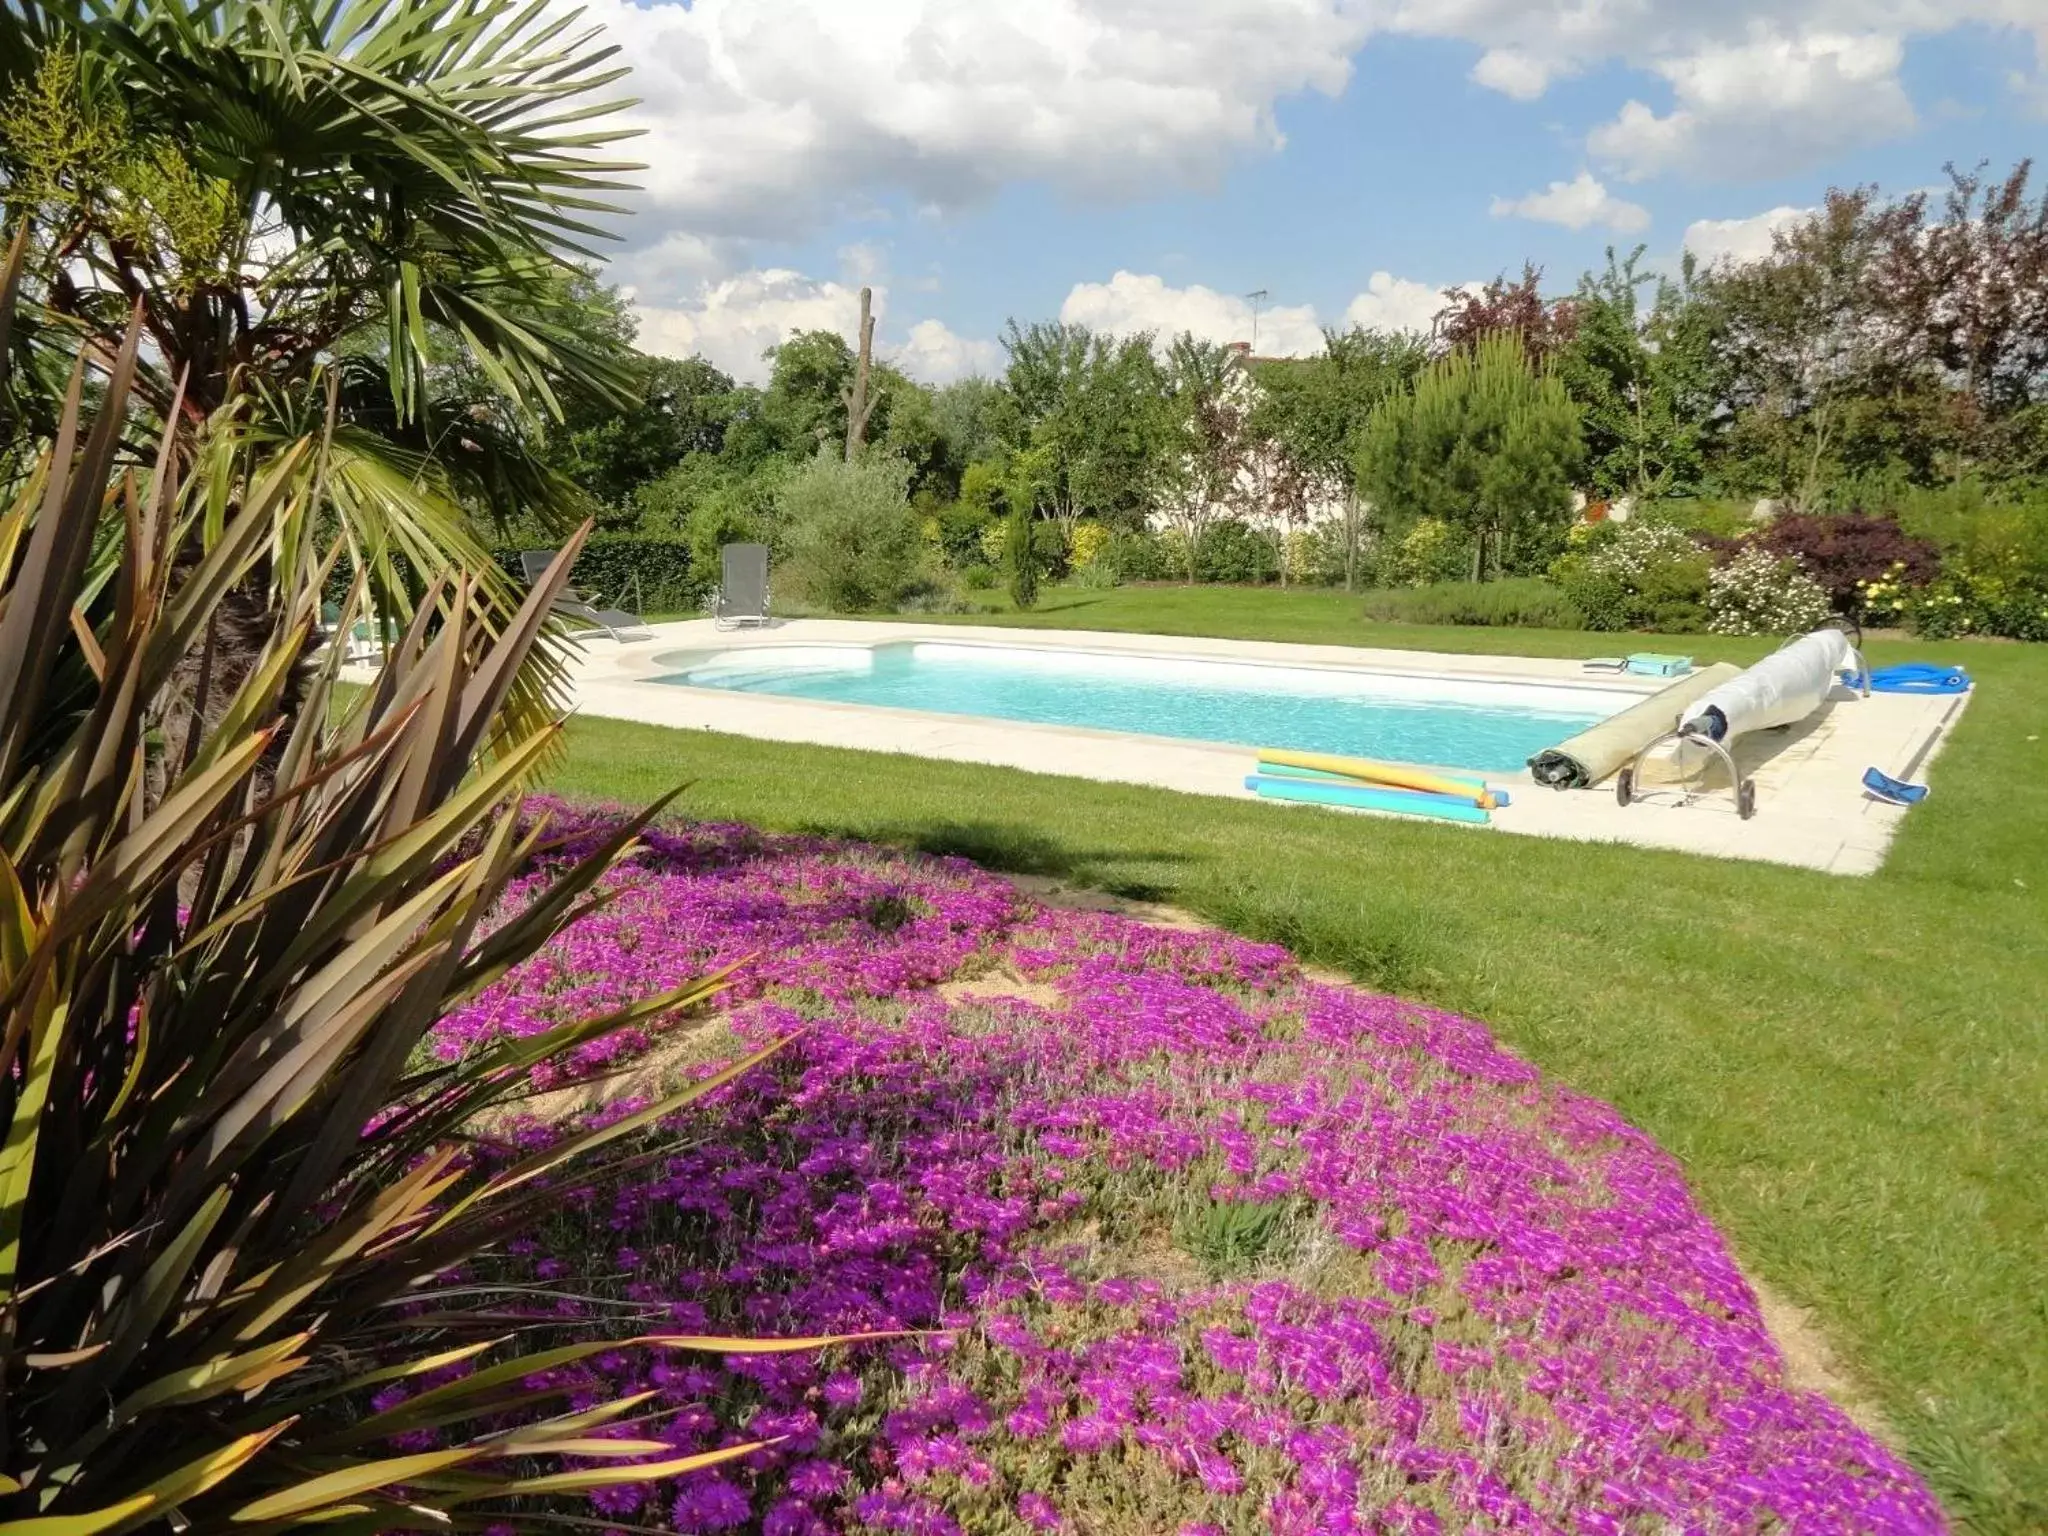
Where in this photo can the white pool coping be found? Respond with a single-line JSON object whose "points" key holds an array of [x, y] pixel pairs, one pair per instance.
{"points": [[1812, 810]]}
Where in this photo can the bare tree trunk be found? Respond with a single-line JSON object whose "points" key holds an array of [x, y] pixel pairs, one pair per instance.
{"points": [[858, 403], [1352, 517]]}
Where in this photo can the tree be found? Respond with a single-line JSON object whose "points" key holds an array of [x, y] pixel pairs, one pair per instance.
{"points": [[363, 215], [1311, 413], [1485, 442], [810, 381], [852, 543], [712, 500], [279, 190], [1970, 295], [1818, 362], [1020, 559], [911, 431], [1545, 326], [686, 407], [1089, 409], [1205, 478], [977, 419], [859, 402], [1647, 383]]}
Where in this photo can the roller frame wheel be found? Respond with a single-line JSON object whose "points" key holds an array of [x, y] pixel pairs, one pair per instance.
{"points": [[1745, 799], [1625, 787]]}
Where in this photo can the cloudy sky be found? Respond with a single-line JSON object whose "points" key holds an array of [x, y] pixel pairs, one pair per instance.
{"points": [[1148, 163]]}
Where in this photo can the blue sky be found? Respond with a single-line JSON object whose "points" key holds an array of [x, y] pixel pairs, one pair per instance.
{"points": [[1146, 163]]}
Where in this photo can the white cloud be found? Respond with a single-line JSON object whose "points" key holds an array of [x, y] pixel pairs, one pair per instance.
{"points": [[1392, 303], [1130, 302], [767, 118], [1770, 105], [735, 320], [1576, 204], [865, 261], [2031, 85], [936, 354], [675, 263], [1757, 87], [1740, 240], [1513, 73]]}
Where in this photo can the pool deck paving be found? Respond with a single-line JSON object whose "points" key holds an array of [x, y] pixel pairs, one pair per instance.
{"points": [[1812, 810]]}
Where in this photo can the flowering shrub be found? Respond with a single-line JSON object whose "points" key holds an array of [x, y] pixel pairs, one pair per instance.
{"points": [[1428, 552], [1302, 554], [1635, 575], [1885, 599], [1759, 593], [1847, 554], [1205, 1246], [1993, 597], [1636, 548], [1090, 539], [992, 540]]}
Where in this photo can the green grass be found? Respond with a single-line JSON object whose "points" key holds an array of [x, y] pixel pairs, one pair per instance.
{"points": [[1854, 1072]]}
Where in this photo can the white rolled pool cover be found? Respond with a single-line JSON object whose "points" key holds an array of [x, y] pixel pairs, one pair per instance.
{"points": [[1598, 752], [1782, 689]]}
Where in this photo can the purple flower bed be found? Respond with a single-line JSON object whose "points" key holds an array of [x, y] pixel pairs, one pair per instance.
{"points": [[1187, 1242]]}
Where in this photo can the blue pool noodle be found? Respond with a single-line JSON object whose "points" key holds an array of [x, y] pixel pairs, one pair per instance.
{"points": [[1366, 797]]}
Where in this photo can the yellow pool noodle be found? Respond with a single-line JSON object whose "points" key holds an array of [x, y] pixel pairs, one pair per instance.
{"points": [[1394, 775]]}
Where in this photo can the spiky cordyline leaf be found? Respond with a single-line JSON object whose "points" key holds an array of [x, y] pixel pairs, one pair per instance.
{"points": [[217, 959]]}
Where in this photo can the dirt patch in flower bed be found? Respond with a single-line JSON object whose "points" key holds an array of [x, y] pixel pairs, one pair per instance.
{"points": [[1188, 1241]]}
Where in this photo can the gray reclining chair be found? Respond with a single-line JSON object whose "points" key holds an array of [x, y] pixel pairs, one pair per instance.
{"points": [[573, 604], [742, 595]]}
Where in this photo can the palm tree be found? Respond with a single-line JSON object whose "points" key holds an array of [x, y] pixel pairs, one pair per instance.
{"points": [[354, 218]]}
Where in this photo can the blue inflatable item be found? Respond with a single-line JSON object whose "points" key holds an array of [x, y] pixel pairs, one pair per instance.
{"points": [[1894, 791], [1366, 797], [1914, 677]]}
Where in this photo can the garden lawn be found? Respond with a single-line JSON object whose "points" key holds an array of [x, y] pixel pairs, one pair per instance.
{"points": [[1853, 1072]]}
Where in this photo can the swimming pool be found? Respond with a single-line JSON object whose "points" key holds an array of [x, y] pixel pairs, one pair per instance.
{"points": [[1493, 727]]}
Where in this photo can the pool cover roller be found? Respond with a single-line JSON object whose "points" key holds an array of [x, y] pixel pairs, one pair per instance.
{"points": [[1782, 689], [1600, 751]]}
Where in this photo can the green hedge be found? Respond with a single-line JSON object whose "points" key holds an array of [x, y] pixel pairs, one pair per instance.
{"points": [[1527, 602], [630, 571], [624, 570]]}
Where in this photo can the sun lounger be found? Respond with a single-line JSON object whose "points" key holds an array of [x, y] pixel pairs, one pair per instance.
{"points": [[586, 606], [742, 595]]}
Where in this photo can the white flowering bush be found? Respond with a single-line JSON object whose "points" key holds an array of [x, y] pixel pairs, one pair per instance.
{"points": [[1638, 549], [1759, 593], [1635, 576]]}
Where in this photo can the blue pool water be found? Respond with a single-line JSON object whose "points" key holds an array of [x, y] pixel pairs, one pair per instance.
{"points": [[1450, 722]]}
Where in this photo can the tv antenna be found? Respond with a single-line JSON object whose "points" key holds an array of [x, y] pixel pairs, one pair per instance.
{"points": [[1257, 299]]}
